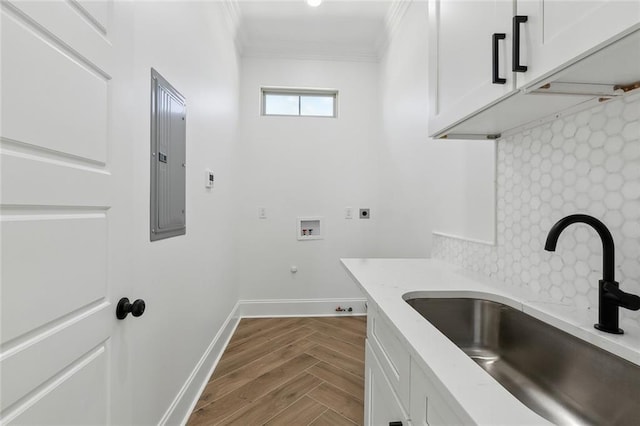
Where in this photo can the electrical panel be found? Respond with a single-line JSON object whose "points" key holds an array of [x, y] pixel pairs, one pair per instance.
{"points": [[168, 160]]}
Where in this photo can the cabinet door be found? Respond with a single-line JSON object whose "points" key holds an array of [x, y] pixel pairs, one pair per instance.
{"points": [[428, 406], [381, 404], [460, 58], [391, 353], [559, 32]]}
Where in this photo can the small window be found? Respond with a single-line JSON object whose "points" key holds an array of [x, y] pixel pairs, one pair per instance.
{"points": [[299, 102]]}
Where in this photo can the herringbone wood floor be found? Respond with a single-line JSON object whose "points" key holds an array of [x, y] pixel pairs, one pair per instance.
{"points": [[288, 371]]}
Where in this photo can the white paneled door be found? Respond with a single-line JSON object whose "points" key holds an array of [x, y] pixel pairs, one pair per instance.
{"points": [[64, 213]]}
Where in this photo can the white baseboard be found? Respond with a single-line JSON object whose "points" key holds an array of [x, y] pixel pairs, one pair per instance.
{"points": [[183, 404], [300, 307]]}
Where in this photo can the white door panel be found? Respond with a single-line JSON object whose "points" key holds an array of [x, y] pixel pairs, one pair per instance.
{"points": [[24, 367], [71, 28], [64, 358], [78, 395], [70, 251], [96, 11], [52, 99], [51, 180]]}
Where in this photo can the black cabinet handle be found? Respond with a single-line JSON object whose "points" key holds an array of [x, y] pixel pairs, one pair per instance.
{"points": [[395, 423], [517, 20], [496, 58], [124, 308]]}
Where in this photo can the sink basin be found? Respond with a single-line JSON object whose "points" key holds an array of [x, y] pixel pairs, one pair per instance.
{"points": [[562, 378]]}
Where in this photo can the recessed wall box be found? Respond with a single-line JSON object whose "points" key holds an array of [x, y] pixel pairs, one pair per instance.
{"points": [[168, 160], [310, 228]]}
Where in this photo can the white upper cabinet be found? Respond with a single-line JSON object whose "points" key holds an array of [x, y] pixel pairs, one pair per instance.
{"points": [[484, 56], [558, 32], [461, 41]]}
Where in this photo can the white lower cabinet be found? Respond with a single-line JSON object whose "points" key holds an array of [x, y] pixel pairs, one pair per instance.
{"points": [[382, 406], [397, 389], [428, 406]]}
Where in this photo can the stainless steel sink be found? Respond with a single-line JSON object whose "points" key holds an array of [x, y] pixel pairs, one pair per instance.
{"points": [[560, 377]]}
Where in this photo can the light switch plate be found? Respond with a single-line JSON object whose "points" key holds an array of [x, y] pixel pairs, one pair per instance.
{"points": [[348, 213], [208, 179]]}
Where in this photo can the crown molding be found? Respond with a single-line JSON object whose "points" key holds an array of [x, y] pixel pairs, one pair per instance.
{"points": [[315, 51], [233, 18], [233, 14], [393, 19], [305, 51]]}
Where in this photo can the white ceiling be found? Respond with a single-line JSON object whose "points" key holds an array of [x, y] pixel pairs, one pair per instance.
{"points": [[337, 29]]}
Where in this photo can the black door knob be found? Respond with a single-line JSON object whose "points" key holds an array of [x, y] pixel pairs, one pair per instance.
{"points": [[125, 307]]}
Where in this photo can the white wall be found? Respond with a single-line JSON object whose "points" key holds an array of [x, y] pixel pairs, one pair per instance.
{"points": [[426, 185], [305, 166], [464, 190], [186, 281], [405, 186]]}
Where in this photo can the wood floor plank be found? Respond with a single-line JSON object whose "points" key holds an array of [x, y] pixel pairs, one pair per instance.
{"points": [[339, 378], [331, 418], [345, 323], [239, 359], [302, 412], [248, 326], [337, 359], [245, 345], [221, 386], [259, 338], [338, 333], [275, 401], [356, 352], [275, 366], [270, 330], [339, 401], [250, 392]]}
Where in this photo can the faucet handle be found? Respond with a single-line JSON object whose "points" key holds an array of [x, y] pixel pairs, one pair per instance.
{"points": [[625, 300]]}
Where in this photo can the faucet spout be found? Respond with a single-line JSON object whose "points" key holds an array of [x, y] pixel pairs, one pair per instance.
{"points": [[608, 251], [610, 296]]}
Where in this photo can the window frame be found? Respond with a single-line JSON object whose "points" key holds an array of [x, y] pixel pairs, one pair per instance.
{"points": [[299, 92]]}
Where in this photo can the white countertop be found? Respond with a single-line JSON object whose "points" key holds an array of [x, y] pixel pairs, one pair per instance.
{"points": [[385, 281]]}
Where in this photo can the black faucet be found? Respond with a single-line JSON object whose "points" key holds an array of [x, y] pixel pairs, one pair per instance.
{"points": [[610, 296]]}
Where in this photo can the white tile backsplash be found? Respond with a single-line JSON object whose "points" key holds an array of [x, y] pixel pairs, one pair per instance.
{"points": [[588, 162]]}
